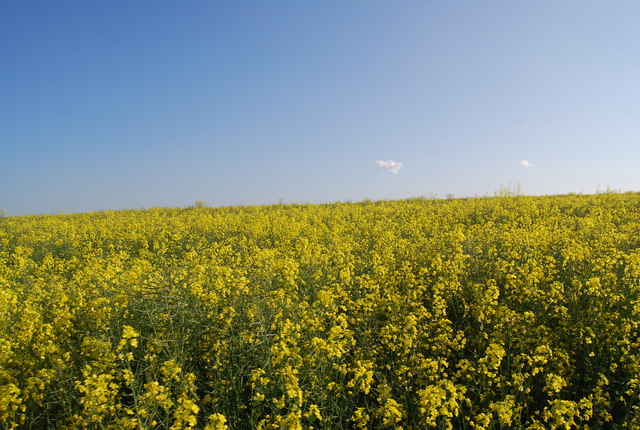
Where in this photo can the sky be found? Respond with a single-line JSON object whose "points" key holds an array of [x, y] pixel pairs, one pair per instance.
{"points": [[135, 104]]}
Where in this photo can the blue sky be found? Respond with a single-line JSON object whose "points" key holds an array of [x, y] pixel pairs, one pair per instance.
{"points": [[129, 104]]}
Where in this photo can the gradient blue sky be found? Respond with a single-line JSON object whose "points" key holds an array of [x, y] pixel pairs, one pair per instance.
{"points": [[129, 104]]}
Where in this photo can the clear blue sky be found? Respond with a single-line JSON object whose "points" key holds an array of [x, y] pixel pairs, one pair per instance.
{"points": [[129, 104]]}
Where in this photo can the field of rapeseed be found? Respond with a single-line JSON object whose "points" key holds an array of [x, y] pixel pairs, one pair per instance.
{"points": [[484, 313]]}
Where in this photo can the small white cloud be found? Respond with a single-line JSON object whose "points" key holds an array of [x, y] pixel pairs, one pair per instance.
{"points": [[391, 166], [527, 164]]}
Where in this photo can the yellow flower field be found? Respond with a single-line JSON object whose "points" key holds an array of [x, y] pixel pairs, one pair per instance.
{"points": [[481, 313]]}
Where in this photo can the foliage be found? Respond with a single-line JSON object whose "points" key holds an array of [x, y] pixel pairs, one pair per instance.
{"points": [[506, 312]]}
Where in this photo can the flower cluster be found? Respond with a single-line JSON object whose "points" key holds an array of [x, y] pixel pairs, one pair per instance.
{"points": [[482, 313]]}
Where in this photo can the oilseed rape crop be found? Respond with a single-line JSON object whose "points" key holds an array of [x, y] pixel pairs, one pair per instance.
{"points": [[482, 313]]}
